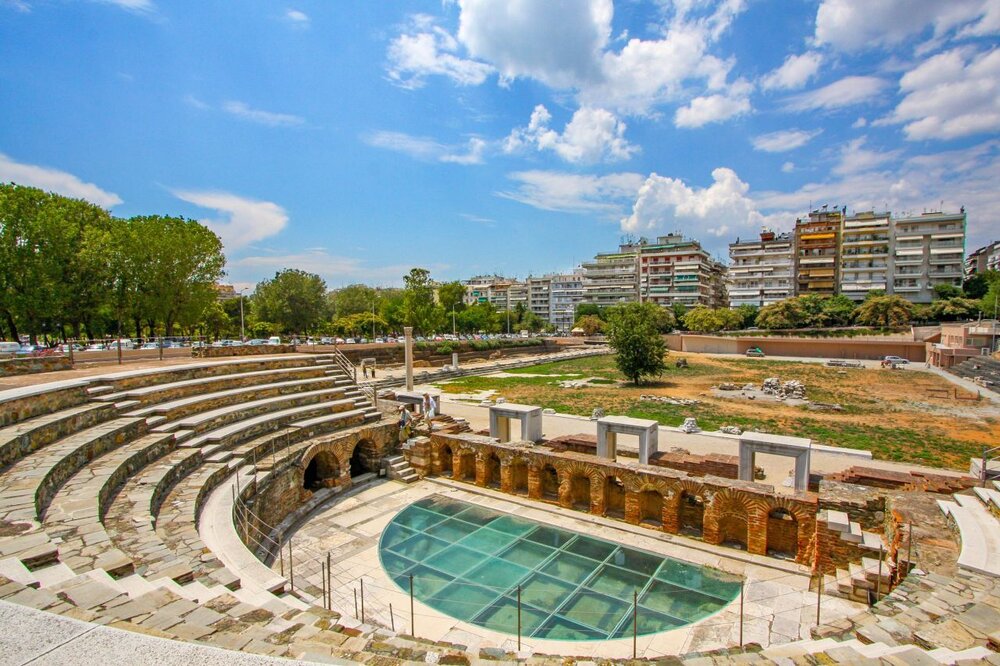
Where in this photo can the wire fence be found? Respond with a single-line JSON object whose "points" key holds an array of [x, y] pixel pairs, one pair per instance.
{"points": [[316, 577]]}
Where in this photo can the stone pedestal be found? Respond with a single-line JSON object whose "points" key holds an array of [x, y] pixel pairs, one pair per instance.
{"points": [[529, 416], [799, 448], [610, 426]]}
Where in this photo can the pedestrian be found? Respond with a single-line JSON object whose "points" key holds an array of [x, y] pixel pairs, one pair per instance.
{"points": [[435, 407], [364, 369], [373, 372], [404, 424]]}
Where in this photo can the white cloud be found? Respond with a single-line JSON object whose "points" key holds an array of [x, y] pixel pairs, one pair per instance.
{"points": [[851, 25], [244, 111], [592, 135], [428, 150], [244, 220], [950, 95], [855, 158], [718, 211], [567, 45], [607, 195], [297, 17], [847, 91], [557, 42], [426, 50], [54, 180], [17, 5], [795, 72], [788, 167], [140, 6], [336, 270], [859, 123], [784, 140], [713, 108]]}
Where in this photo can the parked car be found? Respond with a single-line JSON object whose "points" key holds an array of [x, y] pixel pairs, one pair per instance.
{"points": [[898, 360], [755, 352], [256, 342], [151, 345], [350, 341], [274, 340]]}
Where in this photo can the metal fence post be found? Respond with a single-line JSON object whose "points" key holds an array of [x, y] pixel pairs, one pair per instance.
{"points": [[741, 613], [362, 601], [291, 566], [635, 621], [413, 631]]}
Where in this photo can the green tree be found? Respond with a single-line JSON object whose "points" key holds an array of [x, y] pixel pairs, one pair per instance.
{"points": [[477, 318], [784, 314], [419, 310], [294, 300], [591, 324], [679, 310], [352, 299], [451, 295], [954, 309], [640, 350], [588, 309], [702, 320], [748, 315], [885, 311], [977, 285], [946, 291], [359, 324], [838, 310]]}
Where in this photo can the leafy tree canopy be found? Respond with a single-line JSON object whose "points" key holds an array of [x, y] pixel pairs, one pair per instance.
{"points": [[293, 299], [632, 332]]}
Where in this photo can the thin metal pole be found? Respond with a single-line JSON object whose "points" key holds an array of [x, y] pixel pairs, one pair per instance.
{"points": [[878, 581], [281, 558], [355, 602], [819, 593], [329, 582], [635, 621], [518, 618], [392, 620], [909, 549], [741, 613], [413, 631], [291, 566], [362, 601], [322, 573]]}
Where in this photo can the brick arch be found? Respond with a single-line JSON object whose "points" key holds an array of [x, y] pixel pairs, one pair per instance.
{"points": [[578, 483], [442, 458], [729, 517], [543, 480], [686, 508], [322, 467], [464, 463], [789, 538], [514, 473]]}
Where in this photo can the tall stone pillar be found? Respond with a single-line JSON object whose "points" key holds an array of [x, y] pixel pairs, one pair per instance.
{"points": [[408, 347]]}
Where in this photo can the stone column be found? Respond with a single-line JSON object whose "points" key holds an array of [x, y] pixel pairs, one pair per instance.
{"points": [[747, 461], [408, 350]]}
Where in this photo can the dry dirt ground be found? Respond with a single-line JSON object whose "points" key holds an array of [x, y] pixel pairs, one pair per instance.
{"points": [[901, 415]]}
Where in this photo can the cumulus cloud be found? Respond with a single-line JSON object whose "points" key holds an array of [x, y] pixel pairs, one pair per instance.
{"points": [[784, 140], [335, 269], [428, 150], [427, 50], [847, 91], [54, 180], [795, 72], [567, 45], [243, 220], [713, 108], [607, 195], [950, 95], [592, 135], [851, 25], [788, 167], [271, 119], [720, 210]]}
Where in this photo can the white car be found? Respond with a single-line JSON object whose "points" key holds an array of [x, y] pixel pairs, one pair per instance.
{"points": [[896, 360]]}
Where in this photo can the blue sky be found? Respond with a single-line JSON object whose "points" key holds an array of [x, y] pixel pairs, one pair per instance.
{"points": [[357, 139]]}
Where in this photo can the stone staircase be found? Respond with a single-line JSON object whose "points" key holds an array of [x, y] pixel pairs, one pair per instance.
{"points": [[983, 370], [398, 469], [859, 581], [974, 516]]}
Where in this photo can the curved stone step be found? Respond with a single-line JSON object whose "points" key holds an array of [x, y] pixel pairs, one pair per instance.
{"points": [[24, 437]]}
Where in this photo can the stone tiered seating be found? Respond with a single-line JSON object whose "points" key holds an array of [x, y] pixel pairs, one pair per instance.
{"points": [[979, 366], [979, 531]]}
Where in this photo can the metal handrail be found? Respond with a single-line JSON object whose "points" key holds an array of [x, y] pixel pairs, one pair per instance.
{"points": [[345, 364]]}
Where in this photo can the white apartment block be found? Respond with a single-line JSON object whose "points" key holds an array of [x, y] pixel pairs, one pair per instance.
{"points": [[675, 269], [865, 254], [986, 258], [762, 270], [565, 293], [612, 278], [539, 296], [929, 250]]}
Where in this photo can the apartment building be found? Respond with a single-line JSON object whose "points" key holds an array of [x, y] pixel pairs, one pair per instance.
{"points": [[612, 278], [929, 250], [539, 296], [986, 258], [817, 243], [674, 269], [565, 293], [865, 254], [761, 270], [479, 289]]}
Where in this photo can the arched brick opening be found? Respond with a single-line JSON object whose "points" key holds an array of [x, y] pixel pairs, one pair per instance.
{"points": [[651, 507], [614, 497], [782, 533], [579, 493], [322, 471], [491, 470], [549, 483], [364, 458], [519, 477], [691, 514], [445, 455], [733, 530], [466, 466]]}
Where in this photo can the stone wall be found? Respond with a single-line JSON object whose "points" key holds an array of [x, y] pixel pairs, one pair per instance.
{"points": [[33, 365], [245, 350], [18, 405], [713, 464], [809, 347], [719, 511], [860, 503]]}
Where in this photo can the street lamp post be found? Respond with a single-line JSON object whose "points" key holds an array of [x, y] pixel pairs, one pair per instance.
{"points": [[243, 333], [454, 331]]}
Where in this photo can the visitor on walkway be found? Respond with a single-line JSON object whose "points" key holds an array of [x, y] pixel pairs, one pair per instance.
{"points": [[405, 421], [364, 369]]}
